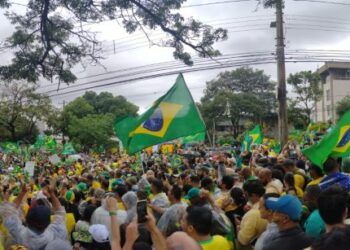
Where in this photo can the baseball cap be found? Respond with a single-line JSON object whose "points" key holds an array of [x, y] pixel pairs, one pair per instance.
{"points": [[192, 193], [287, 204], [82, 187], [99, 233]]}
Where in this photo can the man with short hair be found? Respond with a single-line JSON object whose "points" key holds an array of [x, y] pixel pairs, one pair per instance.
{"points": [[299, 178], [197, 223], [287, 212], [271, 185], [169, 221], [267, 214], [225, 184], [252, 225], [316, 174], [332, 205], [159, 199], [334, 176]]}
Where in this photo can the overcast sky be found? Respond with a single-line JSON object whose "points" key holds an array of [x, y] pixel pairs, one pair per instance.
{"points": [[308, 26]]}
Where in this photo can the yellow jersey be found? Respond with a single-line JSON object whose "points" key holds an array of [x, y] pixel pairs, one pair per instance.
{"points": [[216, 242]]}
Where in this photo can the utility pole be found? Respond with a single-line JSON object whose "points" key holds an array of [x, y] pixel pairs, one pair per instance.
{"points": [[281, 75]]}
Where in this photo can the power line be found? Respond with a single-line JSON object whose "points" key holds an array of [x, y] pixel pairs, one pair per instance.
{"points": [[322, 1], [230, 64], [214, 3], [319, 54]]}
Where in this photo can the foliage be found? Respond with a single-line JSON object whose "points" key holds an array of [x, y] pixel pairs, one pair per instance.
{"points": [[307, 92], [226, 140], [21, 108], [246, 93], [88, 120], [52, 36], [343, 106], [91, 129], [297, 116]]}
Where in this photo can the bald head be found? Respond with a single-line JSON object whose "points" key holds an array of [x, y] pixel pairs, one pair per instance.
{"points": [[265, 175], [181, 240]]}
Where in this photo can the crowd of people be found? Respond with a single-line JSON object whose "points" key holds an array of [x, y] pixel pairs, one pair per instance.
{"points": [[220, 200]]}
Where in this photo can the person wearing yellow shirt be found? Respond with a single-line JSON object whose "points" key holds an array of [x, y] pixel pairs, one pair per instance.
{"points": [[291, 187], [316, 174], [252, 225], [225, 184], [78, 168], [197, 224]]}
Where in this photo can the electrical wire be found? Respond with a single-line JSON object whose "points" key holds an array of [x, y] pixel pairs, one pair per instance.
{"points": [[229, 64], [323, 1]]}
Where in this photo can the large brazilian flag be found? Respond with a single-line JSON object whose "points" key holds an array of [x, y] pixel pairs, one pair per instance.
{"points": [[173, 115], [334, 144]]}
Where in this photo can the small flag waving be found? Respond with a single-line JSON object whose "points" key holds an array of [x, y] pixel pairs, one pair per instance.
{"points": [[335, 144], [252, 137], [172, 116]]}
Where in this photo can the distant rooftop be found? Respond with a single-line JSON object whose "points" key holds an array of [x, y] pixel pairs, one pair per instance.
{"points": [[324, 70]]}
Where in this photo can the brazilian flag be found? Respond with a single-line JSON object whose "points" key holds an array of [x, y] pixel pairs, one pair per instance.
{"points": [[334, 144], [254, 136], [173, 115]]}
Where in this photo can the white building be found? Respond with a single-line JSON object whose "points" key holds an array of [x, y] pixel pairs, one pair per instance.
{"points": [[335, 83]]}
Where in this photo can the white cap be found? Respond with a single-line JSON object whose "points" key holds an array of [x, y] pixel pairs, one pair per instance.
{"points": [[99, 233]]}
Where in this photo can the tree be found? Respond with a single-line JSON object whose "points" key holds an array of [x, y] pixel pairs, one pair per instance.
{"points": [[297, 116], [91, 129], [88, 120], [21, 108], [343, 106], [307, 92], [248, 93], [48, 43]]}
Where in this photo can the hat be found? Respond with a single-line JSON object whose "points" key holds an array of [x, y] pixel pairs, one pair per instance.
{"points": [[192, 193], [117, 182], [70, 196], [39, 217], [99, 233], [287, 204], [82, 187]]}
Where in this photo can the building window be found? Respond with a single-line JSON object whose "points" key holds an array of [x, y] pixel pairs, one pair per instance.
{"points": [[328, 94], [328, 110]]}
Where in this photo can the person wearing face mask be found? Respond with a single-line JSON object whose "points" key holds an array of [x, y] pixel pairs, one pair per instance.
{"points": [[287, 212]]}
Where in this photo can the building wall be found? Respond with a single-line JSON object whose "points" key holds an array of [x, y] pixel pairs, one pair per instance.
{"points": [[341, 88]]}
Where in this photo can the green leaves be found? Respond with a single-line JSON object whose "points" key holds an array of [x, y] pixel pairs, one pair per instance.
{"points": [[48, 43], [306, 86], [21, 108], [88, 120], [249, 93], [343, 106]]}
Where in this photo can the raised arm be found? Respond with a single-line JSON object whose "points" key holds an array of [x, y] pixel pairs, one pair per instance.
{"points": [[112, 206]]}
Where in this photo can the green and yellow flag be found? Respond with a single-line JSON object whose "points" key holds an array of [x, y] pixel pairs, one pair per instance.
{"points": [[334, 144], [200, 137], [172, 116], [254, 136]]}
